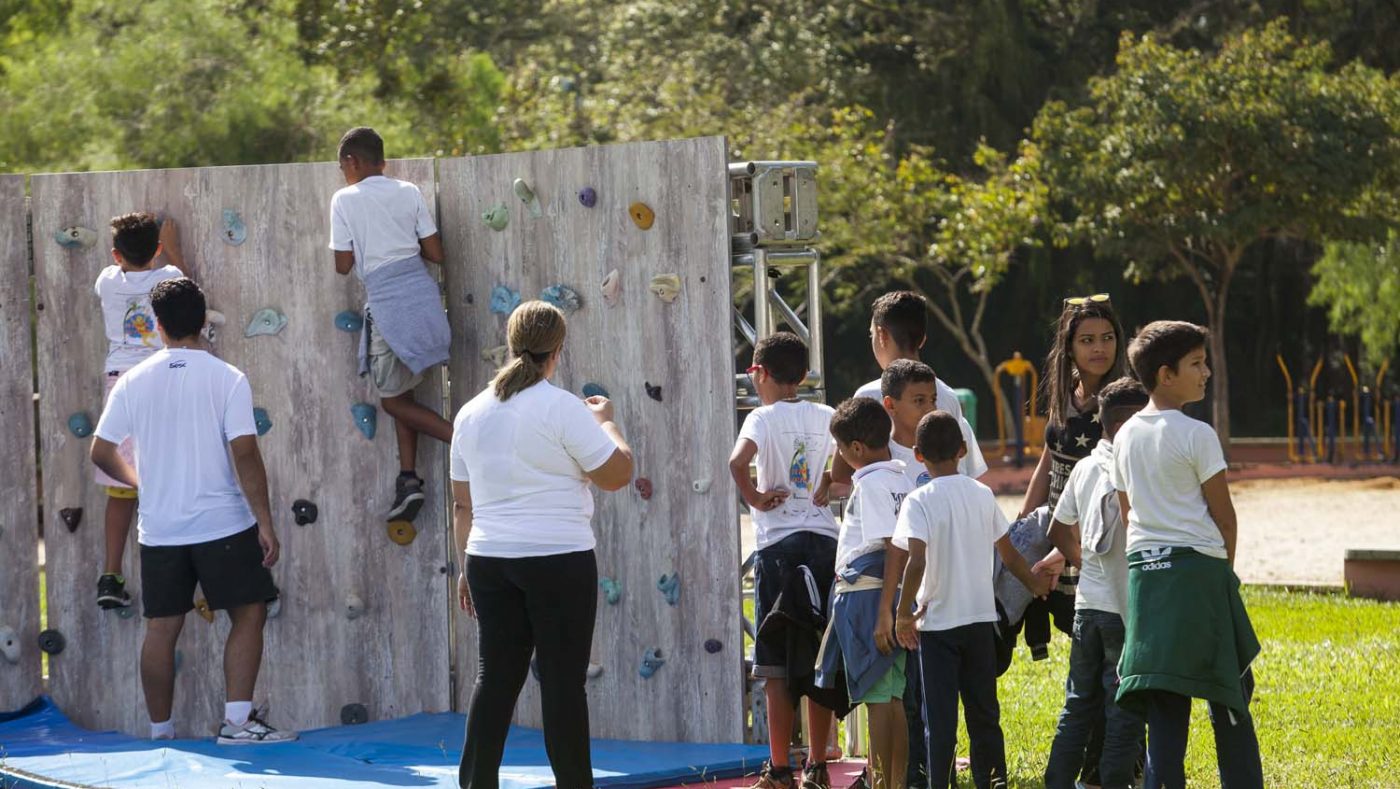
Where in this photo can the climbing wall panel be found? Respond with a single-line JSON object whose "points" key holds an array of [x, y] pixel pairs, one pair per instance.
{"points": [[19, 559], [682, 437], [393, 657]]}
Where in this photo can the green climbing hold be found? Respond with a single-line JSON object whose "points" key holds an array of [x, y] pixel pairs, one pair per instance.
{"points": [[497, 217], [612, 590], [527, 196], [262, 420]]}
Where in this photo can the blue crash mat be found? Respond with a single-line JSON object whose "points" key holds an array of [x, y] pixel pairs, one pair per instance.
{"points": [[40, 747]]}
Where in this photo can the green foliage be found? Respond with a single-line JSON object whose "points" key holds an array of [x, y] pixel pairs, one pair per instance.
{"points": [[1360, 286]]}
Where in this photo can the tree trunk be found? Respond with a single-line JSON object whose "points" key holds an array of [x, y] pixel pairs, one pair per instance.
{"points": [[1220, 381]]}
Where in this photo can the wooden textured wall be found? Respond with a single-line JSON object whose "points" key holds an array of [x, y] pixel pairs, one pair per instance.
{"points": [[19, 559], [682, 442], [394, 659]]}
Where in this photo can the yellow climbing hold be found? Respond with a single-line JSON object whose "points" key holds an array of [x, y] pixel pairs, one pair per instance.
{"points": [[201, 607], [402, 532], [642, 214]]}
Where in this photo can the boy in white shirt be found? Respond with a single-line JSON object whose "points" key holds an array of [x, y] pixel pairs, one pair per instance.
{"points": [[790, 442], [908, 390], [950, 528], [1188, 634], [124, 290], [382, 230], [1088, 529]]}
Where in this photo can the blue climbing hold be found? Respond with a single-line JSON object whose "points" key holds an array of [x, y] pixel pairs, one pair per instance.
{"points": [[349, 321], [612, 590], [594, 390], [262, 420], [80, 425], [504, 300], [76, 237], [651, 661], [366, 418], [235, 232], [588, 197], [563, 297], [670, 586]]}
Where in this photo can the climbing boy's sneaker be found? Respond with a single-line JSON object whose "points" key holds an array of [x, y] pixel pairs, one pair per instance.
{"points": [[111, 591], [408, 497], [253, 732], [814, 776], [773, 777]]}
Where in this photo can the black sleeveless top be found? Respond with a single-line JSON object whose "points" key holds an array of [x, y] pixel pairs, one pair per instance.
{"points": [[1068, 443]]}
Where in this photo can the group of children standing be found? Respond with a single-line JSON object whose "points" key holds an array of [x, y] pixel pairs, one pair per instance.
{"points": [[1130, 500]]}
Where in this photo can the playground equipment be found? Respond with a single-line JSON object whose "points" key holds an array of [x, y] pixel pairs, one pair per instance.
{"points": [[1028, 425], [1299, 421]]}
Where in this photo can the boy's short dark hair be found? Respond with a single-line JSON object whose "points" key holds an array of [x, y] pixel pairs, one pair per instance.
{"points": [[784, 356], [862, 419], [1163, 343], [179, 307], [1119, 400], [136, 237], [938, 436], [902, 372], [904, 314], [364, 144]]}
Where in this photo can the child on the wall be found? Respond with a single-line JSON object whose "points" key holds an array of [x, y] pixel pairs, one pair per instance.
{"points": [[382, 230], [139, 241], [1188, 633]]}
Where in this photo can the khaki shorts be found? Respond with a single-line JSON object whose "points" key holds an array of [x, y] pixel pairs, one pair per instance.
{"points": [[390, 375]]}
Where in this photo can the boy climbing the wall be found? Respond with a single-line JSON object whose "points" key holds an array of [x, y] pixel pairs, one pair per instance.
{"points": [[382, 230], [790, 442], [124, 290]]}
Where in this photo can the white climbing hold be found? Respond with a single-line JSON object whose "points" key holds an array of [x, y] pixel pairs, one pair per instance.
{"points": [[9, 644], [666, 287], [497, 356], [612, 288], [700, 486], [354, 607], [595, 670]]}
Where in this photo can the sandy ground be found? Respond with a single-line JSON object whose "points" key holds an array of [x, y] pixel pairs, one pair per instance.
{"points": [[1293, 530]]}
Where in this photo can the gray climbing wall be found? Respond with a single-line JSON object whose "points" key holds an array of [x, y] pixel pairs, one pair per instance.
{"points": [[395, 658], [19, 559], [682, 443]]}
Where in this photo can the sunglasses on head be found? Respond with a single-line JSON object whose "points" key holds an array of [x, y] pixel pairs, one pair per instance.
{"points": [[1080, 301]]}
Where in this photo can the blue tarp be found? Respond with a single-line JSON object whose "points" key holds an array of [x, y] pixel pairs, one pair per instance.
{"points": [[40, 747]]}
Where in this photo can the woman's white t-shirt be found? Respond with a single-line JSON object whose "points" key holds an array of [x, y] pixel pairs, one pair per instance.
{"points": [[525, 459]]}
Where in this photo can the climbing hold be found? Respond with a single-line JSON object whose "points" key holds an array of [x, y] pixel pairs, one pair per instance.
{"points": [[504, 300], [496, 356], [595, 670], [354, 607], [213, 321], [124, 612], [274, 608], [304, 512], [353, 714], [402, 532], [235, 232], [643, 488], [366, 418], [713, 645], [262, 420], [201, 607], [594, 390], [497, 217], [666, 287], [651, 661], [562, 296], [612, 590], [80, 424], [9, 644], [612, 288], [642, 214], [71, 516], [52, 642], [700, 485], [266, 321], [527, 196], [347, 320], [588, 197], [76, 237], [654, 392], [670, 587]]}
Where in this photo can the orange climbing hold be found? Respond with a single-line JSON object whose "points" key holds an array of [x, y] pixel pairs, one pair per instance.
{"points": [[642, 215], [402, 532], [201, 607]]}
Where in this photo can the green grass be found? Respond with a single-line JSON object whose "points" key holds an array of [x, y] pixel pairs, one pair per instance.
{"points": [[1327, 704]]}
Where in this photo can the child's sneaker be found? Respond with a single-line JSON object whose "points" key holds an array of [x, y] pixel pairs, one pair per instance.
{"points": [[252, 732], [773, 777], [408, 497], [111, 591], [816, 777]]}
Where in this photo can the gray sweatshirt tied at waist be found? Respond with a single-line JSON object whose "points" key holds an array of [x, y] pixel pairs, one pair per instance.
{"points": [[405, 305]]}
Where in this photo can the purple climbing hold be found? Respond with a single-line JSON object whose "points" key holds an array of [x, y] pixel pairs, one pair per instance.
{"points": [[588, 197], [71, 516], [713, 645], [654, 392]]}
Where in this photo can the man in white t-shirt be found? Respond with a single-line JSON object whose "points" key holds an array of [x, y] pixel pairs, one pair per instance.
{"points": [[950, 528], [192, 416]]}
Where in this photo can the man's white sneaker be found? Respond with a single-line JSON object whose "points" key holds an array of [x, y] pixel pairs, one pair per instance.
{"points": [[253, 732]]}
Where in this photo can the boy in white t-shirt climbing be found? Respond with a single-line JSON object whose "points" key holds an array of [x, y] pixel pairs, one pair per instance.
{"points": [[382, 230], [139, 241], [789, 441], [950, 528], [1188, 634]]}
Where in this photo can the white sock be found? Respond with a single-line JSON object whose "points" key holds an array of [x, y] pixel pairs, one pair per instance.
{"points": [[163, 730], [237, 712]]}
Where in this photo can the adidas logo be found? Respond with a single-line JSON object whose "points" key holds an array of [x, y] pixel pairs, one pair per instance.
{"points": [[1156, 566]]}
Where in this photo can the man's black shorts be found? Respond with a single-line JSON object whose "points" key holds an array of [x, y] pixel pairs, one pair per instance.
{"points": [[229, 570]]}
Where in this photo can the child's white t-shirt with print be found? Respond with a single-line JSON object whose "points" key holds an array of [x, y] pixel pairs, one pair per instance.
{"points": [[871, 511], [1103, 573], [1160, 459], [381, 219], [973, 464], [959, 521], [794, 443], [127, 317]]}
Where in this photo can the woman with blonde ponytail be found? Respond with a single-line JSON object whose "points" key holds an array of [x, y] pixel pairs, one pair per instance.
{"points": [[524, 453]]}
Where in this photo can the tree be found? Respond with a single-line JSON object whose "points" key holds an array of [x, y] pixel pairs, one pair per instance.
{"points": [[1360, 286], [1181, 161]]}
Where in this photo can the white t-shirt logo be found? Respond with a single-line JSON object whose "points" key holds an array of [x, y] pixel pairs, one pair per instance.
{"points": [[138, 325]]}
